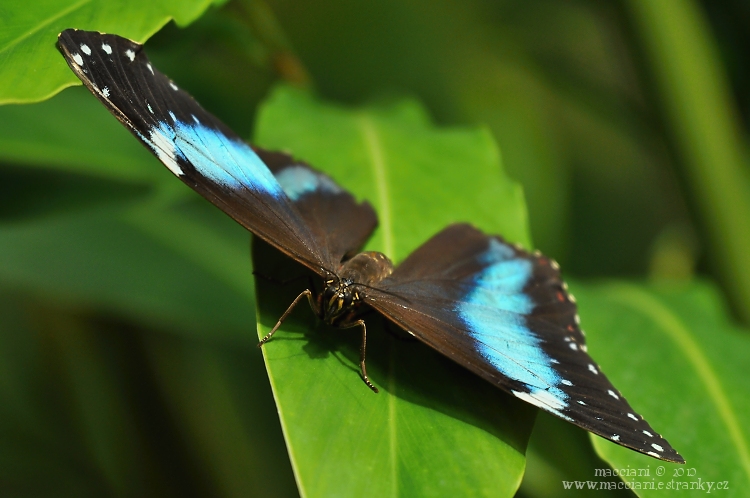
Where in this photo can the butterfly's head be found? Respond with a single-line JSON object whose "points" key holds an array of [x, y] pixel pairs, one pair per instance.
{"points": [[339, 300]]}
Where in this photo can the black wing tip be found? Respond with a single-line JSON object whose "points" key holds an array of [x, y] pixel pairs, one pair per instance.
{"points": [[662, 451], [677, 458], [672, 456], [66, 32], [62, 38], [74, 33]]}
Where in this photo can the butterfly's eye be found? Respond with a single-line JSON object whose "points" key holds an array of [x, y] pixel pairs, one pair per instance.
{"points": [[330, 292], [347, 297]]}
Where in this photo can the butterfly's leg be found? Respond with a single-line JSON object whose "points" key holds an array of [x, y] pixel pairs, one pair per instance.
{"points": [[362, 367], [306, 293]]}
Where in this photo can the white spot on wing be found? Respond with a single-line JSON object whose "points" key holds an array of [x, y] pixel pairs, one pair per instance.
{"points": [[615, 437], [574, 346], [149, 108], [130, 55], [577, 319], [105, 92], [657, 447], [78, 59], [174, 87], [107, 48], [566, 382], [654, 454], [648, 434], [584, 348], [612, 393], [85, 49], [581, 403], [593, 369], [572, 298], [543, 400], [150, 68], [165, 151], [632, 416], [554, 265]]}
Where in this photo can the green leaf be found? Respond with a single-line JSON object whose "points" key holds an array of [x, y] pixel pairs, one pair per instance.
{"points": [[33, 70], [674, 354], [434, 429]]}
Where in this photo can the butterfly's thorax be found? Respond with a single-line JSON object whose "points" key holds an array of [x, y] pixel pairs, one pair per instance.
{"points": [[366, 268], [341, 300]]}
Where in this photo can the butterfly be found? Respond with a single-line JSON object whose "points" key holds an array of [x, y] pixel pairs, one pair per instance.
{"points": [[498, 310]]}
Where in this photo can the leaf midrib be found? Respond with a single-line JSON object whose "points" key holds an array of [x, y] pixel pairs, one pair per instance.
{"points": [[676, 330], [374, 148]]}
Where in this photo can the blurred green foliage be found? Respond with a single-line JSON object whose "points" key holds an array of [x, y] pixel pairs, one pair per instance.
{"points": [[127, 329]]}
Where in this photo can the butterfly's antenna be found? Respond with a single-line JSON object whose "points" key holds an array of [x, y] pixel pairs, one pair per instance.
{"points": [[383, 291], [279, 281]]}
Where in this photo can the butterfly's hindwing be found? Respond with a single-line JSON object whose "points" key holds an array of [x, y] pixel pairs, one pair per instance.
{"points": [[506, 315], [330, 210], [192, 143]]}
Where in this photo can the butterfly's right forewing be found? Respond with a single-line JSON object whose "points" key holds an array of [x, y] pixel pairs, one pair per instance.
{"points": [[506, 315]]}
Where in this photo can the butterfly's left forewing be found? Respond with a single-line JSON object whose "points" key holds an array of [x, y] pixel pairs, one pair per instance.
{"points": [[192, 143], [506, 315]]}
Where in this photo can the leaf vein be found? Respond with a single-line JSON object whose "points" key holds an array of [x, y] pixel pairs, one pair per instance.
{"points": [[375, 152], [44, 24]]}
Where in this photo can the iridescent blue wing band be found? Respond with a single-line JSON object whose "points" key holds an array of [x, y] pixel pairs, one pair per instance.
{"points": [[506, 315]]}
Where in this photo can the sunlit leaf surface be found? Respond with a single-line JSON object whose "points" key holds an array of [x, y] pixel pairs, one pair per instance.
{"points": [[31, 67], [434, 429], [674, 354]]}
